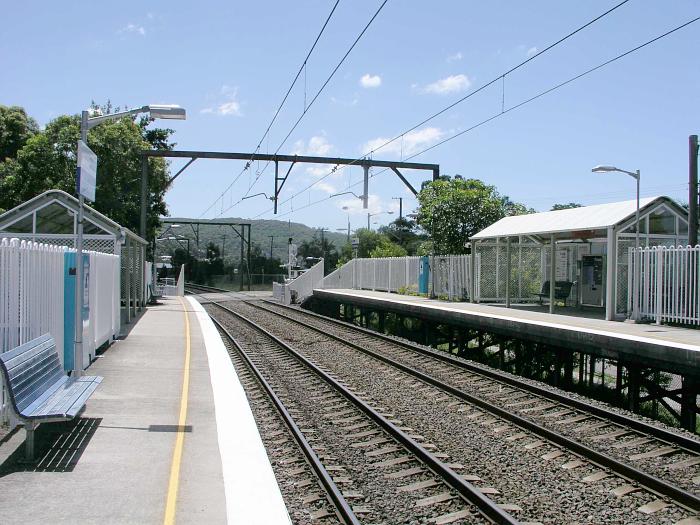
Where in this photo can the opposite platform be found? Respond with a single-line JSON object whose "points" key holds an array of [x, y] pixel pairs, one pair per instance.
{"points": [[673, 349], [167, 437]]}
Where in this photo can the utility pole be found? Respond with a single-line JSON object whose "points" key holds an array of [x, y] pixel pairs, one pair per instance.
{"points": [[693, 190], [223, 247], [272, 240], [400, 199], [323, 244]]}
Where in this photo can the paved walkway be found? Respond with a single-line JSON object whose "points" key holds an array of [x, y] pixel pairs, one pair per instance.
{"points": [[150, 444]]}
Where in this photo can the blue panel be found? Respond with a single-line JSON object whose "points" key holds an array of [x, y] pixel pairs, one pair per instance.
{"points": [[69, 306], [424, 274]]}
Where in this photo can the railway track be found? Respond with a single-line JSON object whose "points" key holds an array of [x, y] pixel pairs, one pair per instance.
{"points": [[299, 464], [386, 466], [518, 421], [625, 437]]}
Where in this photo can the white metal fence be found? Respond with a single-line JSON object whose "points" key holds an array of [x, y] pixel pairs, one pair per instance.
{"points": [[666, 284], [298, 289], [450, 275], [32, 299]]}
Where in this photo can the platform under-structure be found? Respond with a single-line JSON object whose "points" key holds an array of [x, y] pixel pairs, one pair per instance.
{"points": [[645, 368]]}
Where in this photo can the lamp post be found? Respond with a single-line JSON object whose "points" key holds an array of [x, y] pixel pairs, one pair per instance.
{"points": [[369, 215], [635, 175], [87, 123]]}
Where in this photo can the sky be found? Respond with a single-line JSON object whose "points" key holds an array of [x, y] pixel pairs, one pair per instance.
{"points": [[229, 63]]}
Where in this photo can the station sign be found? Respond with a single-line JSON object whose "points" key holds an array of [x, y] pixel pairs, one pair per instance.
{"points": [[86, 179]]}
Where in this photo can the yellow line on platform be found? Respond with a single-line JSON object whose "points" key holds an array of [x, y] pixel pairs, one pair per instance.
{"points": [[174, 482]]}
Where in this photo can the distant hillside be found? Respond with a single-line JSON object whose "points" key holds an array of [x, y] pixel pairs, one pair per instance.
{"points": [[261, 230]]}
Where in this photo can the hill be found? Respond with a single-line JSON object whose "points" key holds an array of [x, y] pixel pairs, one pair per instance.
{"points": [[260, 233]]}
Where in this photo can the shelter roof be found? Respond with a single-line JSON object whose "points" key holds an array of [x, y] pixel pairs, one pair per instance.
{"points": [[54, 204], [596, 217]]}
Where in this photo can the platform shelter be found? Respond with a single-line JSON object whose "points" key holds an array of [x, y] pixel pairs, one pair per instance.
{"points": [[51, 218], [589, 262]]}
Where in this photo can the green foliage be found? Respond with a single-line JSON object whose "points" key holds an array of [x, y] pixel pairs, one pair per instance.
{"points": [[453, 210], [319, 247], [405, 233], [386, 248], [16, 128], [566, 206], [47, 160]]}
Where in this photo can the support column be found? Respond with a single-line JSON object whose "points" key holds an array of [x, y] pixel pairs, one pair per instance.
{"points": [[634, 374], [552, 273], [568, 358], [240, 263], [618, 382], [144, 196], [127, 276], [689, 398], [365, 193], [610, 273], [508, 270]]}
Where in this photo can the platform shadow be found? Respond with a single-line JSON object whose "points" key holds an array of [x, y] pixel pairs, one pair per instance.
{"points": [[58, 447]]}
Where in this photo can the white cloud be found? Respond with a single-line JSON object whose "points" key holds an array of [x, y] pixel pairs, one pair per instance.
{"points": [[451, 84], [326, 187], [411, 143], [374, 205], [532, 51], [370, 81], [318, 146], [230, 107], [133, 28], [457, 56]]}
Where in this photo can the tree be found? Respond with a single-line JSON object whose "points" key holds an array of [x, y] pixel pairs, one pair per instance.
{"points": [[566, 206], [47, 160], [451, 211], [405, 233], [386, 248], [16, 128], [317, 248]]}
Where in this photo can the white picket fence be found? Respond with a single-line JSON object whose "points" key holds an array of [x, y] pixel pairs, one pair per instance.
{"points": [[666, 284], [32, 297]]}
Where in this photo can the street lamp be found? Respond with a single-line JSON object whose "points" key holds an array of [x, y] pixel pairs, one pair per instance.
{"points": [[369, 215], [635, 175], [86, 123]]}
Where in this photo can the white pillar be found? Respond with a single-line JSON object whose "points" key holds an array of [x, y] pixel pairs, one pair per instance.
{"points": [[610, 274], [552, 274], [508, 272]]}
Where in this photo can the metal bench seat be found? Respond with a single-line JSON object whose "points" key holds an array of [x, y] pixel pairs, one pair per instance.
{"points": [[39, 389]]}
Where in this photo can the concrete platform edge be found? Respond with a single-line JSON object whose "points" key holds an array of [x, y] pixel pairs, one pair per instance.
{"points": [[252, 493]]}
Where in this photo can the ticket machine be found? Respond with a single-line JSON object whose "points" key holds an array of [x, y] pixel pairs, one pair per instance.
{"points": [[592, 288]]}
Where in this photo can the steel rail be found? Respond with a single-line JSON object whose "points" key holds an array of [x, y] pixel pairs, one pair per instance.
{"points": [[334, 493], [685, 442], [651, 483], [468, 491]]}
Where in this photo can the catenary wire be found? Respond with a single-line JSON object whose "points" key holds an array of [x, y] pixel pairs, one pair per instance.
{"points": [[279, 108], [512, 108], [466, 97]]}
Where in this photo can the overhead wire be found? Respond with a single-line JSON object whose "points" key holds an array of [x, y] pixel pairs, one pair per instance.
{"points": [[517, 106], [500, 77], [325, 84], [279, 108]]}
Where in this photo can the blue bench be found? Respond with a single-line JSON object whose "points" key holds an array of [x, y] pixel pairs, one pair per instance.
{"points": [[39, 389]]}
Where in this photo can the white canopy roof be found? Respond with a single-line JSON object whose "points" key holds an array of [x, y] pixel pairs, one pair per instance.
{"points": [[594, 217]]}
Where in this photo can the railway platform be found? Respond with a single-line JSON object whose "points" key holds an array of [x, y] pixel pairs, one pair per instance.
{"points": [[635, 352], [168, 436]]}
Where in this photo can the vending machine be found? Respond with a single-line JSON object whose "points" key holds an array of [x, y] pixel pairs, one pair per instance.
{"points": [[592, 288]]}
